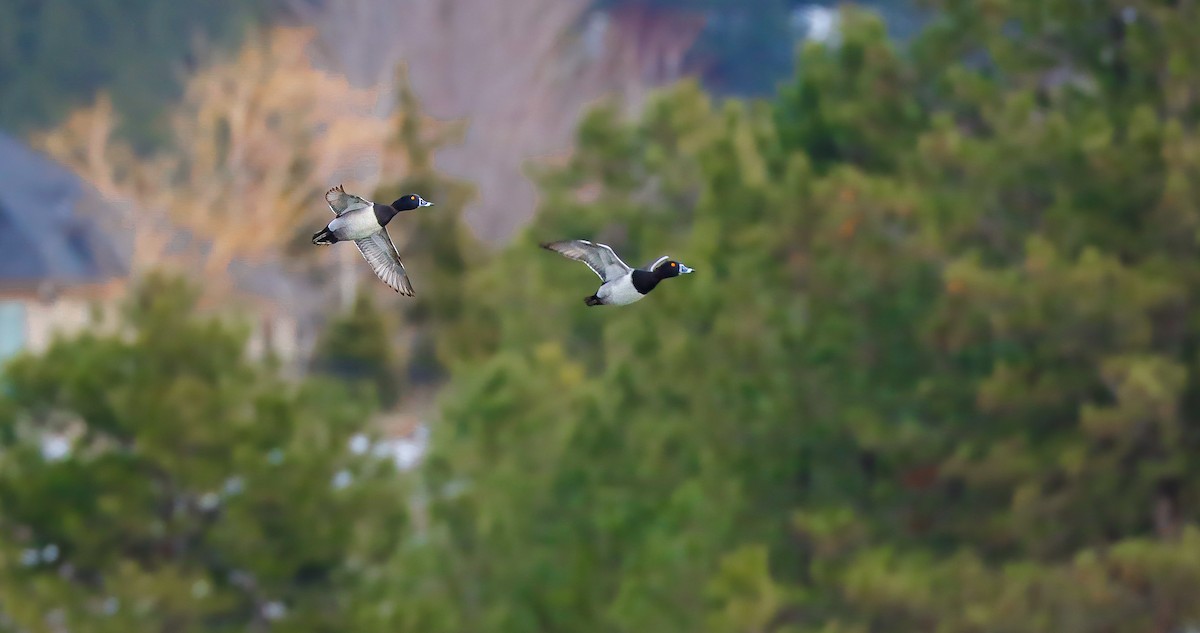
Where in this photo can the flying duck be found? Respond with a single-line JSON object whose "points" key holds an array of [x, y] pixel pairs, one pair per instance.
{"points": [[621, 285], [365, 223]]}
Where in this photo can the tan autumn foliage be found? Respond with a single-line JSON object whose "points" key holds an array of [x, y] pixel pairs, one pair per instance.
{"points": [[261, 133], [257, 139]]}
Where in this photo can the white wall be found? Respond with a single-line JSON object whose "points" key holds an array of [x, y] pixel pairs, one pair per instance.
{"points": [[63, 316], [29, 324], [36, 323]]}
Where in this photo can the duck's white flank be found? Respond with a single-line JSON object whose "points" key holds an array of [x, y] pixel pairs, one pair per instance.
{"points": [[355, 225]]}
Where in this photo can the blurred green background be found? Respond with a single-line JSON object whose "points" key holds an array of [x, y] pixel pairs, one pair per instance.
{"points": [[936, 371]]}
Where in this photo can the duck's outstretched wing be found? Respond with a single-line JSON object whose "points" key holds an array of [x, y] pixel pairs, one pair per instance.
{"points": [[341, 202], [657, 263], [599, 257], [381, 254]]}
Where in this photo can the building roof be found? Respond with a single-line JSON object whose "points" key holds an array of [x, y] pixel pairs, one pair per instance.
{"points": [[44, 235]]}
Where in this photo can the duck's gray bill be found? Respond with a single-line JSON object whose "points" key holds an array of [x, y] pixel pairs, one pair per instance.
{"points": [[683, 270], [426, 203]]}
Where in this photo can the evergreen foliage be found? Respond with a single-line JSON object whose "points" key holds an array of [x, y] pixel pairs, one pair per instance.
{"points": [[936, 371], [357, 347], [199, 492], [55, 55]]}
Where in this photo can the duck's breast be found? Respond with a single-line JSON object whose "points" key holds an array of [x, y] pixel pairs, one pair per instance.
{"points": [[619, 291]]}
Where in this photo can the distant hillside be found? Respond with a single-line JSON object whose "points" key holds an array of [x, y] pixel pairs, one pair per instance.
{"points": [[521, 73]]}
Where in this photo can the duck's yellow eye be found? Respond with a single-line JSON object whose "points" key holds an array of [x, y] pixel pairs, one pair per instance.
{"points": [[673, 264], [412, 197]]}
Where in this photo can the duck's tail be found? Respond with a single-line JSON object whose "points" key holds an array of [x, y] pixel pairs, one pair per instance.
{"points": [[324, 236], [593, 301]]}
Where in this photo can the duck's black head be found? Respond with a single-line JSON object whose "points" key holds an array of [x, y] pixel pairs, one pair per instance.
{"points": [[671, 268], [410, 202]]}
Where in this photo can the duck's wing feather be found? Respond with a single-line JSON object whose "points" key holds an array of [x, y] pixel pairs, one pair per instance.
{"points": [[599, 257], [658, 262], [341, 202], [381, 254]]}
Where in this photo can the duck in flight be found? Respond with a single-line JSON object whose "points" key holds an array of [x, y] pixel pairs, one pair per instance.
{"points": [[621, 285], [365, 223]]}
